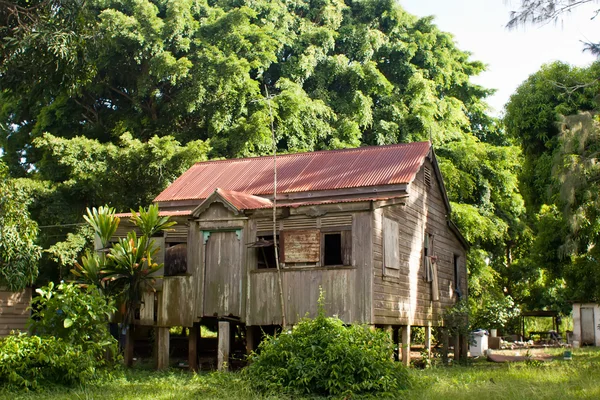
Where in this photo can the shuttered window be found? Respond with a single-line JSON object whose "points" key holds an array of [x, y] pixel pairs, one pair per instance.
{"points": [[301, 246], [391, 247]]}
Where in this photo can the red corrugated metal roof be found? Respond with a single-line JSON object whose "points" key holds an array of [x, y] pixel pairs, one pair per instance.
{"points": [[243, 201], [320, 170], [166, 213]]}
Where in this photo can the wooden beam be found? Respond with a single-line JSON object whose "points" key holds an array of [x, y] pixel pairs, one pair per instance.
{"points": [[456, 348], [224, 346], [445, 346], [129, 343], [428, 340], [162, 348], [193, 346], [250, 339], [406, 345]]}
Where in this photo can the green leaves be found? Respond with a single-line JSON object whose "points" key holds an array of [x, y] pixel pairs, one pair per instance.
{"points": [[149, 222], [104, 222], [19, 253], [322, 356]]}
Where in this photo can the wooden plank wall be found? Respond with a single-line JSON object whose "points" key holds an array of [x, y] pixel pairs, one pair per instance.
{"points": [[13, 310], [219, 265], [347, 289], [404, 298]]}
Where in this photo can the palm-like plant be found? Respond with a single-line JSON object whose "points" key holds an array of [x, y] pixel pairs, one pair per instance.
{"points": [[130, 270], [104, 222], [125, 269], [149, 221]]}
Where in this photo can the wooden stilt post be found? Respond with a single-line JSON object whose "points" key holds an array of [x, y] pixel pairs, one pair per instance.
{"points": [[464, 347], [428, 340], [445, 346], [456, 348], [129, 342], [406, 345], [193, 346], [162, 347], [224, 346], [250, 339], [389, 330]]}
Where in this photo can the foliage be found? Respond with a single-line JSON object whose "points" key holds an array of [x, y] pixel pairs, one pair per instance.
{"points": [[65, 254], [457, 318], [104, 223], [342, 74], [124, 269], [496, 313], [149, 222], [578, 175], [29, 362], [323, 356], [19, 254], [76, 315], [533, 115], [555, 180]]}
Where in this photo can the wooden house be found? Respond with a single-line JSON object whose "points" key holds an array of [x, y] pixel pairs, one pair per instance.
{"points": [[370, 226], [14, 310]]}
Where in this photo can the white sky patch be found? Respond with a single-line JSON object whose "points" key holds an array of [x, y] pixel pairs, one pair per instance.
{"points": [[511, 55]]}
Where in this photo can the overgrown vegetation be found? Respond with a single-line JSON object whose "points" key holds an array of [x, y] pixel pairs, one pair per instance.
{"points": [[28, 362], [322, 356], [71, 340], [19, 253], [77, 315], [557, 380]]}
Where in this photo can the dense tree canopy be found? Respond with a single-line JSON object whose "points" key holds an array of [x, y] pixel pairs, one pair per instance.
{"points": [[551, 116]]}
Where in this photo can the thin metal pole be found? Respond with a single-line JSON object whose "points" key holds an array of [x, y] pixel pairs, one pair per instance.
{"points": [[281, 297]]}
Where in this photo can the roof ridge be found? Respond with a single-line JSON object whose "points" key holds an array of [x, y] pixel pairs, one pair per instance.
{"points": [[306, 153]]}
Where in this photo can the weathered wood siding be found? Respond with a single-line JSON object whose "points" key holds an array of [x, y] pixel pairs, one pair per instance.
{"points": [[402, 296], [176, 302], [347, 289], [13, 310]]}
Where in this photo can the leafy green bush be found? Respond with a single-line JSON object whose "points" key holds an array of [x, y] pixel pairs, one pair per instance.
{"points": [[77, 315], [29, 361], [323, 356]]}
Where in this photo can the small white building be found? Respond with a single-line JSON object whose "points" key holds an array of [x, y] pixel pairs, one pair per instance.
{"points": [[586, 317]]}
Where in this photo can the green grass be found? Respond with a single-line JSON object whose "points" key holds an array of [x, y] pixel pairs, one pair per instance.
{"points": [[576, 379]]}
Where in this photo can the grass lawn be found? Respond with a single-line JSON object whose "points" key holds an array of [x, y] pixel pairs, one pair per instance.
{"points": [[576, 379]]}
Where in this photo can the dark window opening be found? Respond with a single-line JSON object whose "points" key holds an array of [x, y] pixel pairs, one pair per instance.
{"points": [[176, 259], [457, 276], [333, 249], [265, 252]]}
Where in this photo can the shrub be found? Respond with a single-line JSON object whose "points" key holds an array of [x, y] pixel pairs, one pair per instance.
{"points": [[323, 356], [29, 361], [77, 315]]}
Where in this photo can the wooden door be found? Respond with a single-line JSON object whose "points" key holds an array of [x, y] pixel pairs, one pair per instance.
{"points": [[223, 275], [587, 326]]}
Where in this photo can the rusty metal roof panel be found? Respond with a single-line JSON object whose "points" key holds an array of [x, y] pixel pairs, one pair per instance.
{"points": [[321, 170], [244, 201]]}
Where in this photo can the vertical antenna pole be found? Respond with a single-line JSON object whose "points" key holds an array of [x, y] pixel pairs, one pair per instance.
{"points": [[274, 140]]}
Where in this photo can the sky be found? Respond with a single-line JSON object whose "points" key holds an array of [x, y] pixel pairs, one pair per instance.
{"points": [[511, 56]]}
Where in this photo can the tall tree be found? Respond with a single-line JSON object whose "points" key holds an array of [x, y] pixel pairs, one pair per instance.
{"points": [[19, 254]]}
